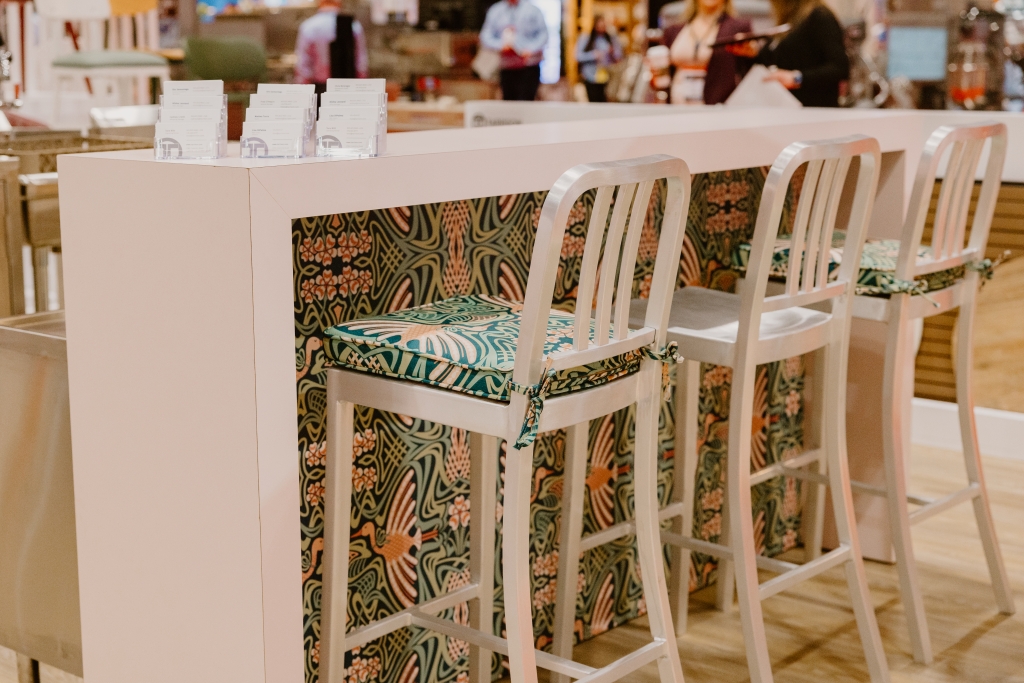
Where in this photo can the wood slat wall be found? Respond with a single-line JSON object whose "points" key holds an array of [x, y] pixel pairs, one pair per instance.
{"points": [[934, 368]]}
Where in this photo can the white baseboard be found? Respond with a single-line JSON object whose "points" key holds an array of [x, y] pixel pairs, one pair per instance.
{"points": [[1000, 432]]}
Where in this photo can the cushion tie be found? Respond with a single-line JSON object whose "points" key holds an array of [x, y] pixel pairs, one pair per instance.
{"points": [[666, 354], [911, 287], [986, 267], [535, 394]]}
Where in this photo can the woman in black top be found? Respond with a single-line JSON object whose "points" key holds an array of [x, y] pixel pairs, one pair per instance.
{"points": [[811, 59]]}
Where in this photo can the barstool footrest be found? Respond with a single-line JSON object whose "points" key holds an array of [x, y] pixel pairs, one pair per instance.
{"points": [[780, 468], [617, 531], [696, 545], [805, 571], [934, 507], [365, 634], [493, 643], [628, 664]]}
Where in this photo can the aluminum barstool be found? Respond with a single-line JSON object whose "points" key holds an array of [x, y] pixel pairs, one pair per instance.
{"points": [[928, 280], [742, 331], [505, 370]]}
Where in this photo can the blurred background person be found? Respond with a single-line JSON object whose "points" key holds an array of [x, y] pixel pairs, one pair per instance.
{"points": [[810, 60], [516, 30], [313, 45], [702, 73], [595, 52]]}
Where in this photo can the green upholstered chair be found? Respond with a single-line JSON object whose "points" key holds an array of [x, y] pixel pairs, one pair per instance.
{"points": [[239, 62]]}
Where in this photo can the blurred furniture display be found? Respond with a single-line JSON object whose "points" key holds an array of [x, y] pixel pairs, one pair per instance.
{"points": [[929, 280], [275, 29], [137, 121], [12, 278], [129, 70], [566, 370], [239, 62], [39, 606], [28, 173], [410, 116], [41, 213], [138, 17]]}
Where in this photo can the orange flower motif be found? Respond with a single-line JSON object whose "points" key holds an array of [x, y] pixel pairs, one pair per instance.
{"points": [[458, 512], [315, 493], [363, 442], [712, 527], [316, 454], [546, 595], [546, 565], [364, 478]]}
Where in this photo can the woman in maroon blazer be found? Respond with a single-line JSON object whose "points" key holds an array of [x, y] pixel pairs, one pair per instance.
{"points": [[702, 73]]}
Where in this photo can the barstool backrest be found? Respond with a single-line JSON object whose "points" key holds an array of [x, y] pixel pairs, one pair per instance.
{"points": [[807, 280], [965, 144], [634, 180]]}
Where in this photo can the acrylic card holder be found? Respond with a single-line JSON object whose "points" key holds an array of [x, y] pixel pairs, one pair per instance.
{"points": [[353, 119], [279, 121], [191, 121]]}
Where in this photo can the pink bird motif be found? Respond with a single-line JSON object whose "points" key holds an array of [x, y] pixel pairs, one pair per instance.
{"points": [[401, 536]]}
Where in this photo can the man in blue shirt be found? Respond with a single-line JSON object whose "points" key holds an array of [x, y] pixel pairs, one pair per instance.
{"points": [[515, 29]]}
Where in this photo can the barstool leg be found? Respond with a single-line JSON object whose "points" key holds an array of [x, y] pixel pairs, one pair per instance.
{"points": [[569, 543], [834, 443], [684, 474], [895, 448], [482, 499], [337, 512], [648, 528], [741, 537], [813, 518], [972, 454], [516, 563]]}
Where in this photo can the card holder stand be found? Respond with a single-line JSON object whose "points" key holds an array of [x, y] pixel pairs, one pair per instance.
{"points": [[268, 134], [340, 136], [191, 127]]}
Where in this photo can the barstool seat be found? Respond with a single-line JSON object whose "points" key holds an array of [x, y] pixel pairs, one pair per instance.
{"points": [[877, 276], [466, 344], [709, 315], [109, 59]]}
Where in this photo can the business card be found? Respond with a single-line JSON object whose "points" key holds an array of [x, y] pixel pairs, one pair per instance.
{"points": [[350, 114], [353, 99], [300, 100], [356, 85], [193, 87], [285, 89], [276, 114], [273, 138], [346, 134], [191, 115], [191, 101], [185, 140]]}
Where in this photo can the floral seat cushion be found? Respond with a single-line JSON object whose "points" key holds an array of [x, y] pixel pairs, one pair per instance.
{"points": [[466, 343], [877, 275]]}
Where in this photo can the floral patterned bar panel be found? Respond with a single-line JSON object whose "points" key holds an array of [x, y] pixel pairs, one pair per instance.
{"points": [[358, 264]]}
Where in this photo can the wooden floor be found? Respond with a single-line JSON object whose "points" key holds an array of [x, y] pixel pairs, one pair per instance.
{"points": [[812, 637], [999, 340]]}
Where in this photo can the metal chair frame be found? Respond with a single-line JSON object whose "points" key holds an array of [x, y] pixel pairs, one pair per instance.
{"points": [[488, 421], [964, 145], [749, 329]]}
